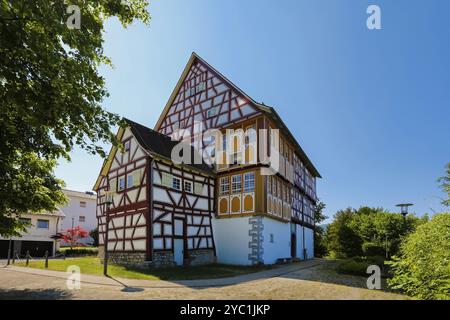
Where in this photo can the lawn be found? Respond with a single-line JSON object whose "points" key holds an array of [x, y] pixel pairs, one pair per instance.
{"points": [[92, 265]]}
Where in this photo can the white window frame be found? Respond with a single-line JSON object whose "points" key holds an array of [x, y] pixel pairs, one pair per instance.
{"points": [[224, 185], [127, 146], [119, 186], [236, 186], [188, 183], [130, 178], [43, 220], [81, 218], [249, 178], [176, 181]]}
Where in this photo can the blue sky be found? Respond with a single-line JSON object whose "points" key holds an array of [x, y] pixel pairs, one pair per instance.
{"points": [[371, 108]]}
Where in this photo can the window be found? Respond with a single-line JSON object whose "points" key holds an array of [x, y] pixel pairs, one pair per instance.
{"points": [[224, 185], [42, 224], [130, 181], [26, 221], [188, 186], [249, 181], [121, 184], [269, 184], [211, 112], [236, 184], [83, 204], [274, 186], [81, 218], [127, 146], [176, 183]]}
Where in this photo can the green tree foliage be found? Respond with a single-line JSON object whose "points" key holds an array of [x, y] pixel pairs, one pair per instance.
{"points": [[445, 185], [422, 268], [368, 232], [320, 248], [342, 240], [94, 235], [50, 96]]}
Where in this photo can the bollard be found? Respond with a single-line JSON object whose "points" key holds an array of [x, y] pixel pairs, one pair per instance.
{"points": [[46, 259], [28, 258]]}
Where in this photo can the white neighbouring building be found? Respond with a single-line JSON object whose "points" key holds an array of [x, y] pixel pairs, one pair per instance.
{"points": [[79, 211], [38, 238]]}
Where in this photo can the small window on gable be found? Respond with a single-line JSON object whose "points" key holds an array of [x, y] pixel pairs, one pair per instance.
{"points": [[188, 186], [121, 184], [83, 204], [127, 146], [211, 112], [176, 183], [130, 181]]}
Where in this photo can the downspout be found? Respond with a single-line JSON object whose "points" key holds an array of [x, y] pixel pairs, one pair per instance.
{"points": [[150, 210]]}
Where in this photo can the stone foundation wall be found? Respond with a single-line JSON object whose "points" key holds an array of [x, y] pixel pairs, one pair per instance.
{"points": [[127, 258], [199, 257], [160, 258]]}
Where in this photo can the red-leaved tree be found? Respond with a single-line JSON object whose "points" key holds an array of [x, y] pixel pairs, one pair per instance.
{"points": [[72, 236]]}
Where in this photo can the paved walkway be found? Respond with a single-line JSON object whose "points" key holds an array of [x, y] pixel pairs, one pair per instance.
{"points": [[295, 281]]}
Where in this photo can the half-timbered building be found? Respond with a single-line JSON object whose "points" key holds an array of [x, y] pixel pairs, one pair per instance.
{"points": [[230, 208]]}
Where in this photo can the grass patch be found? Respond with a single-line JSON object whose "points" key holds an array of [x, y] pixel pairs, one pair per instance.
{"points": [[91, 265]]}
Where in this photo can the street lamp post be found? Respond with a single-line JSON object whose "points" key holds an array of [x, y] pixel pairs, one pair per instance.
{"points": [[105, 242], [404, 208]]}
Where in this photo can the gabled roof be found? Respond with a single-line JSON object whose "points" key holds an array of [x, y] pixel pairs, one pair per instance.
{"points": [[160, 145], [269, 111]]}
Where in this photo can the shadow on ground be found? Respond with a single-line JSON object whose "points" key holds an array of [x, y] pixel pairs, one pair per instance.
{"points": [[326, 273], [34, 294]]}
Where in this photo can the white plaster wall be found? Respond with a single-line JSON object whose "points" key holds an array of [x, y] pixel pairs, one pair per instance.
{"points": [[309, 242], [74, 209], [281, 245], [231, 238]]}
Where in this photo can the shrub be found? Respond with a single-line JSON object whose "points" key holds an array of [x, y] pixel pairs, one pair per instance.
{"points": [[79, 251], [422, 268], [358, 265], [352, 267]]}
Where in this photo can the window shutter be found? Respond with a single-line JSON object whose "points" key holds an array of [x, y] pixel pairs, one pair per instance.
{"points": [[113, 185], [167, 179], [137, 177], [198, 189]]}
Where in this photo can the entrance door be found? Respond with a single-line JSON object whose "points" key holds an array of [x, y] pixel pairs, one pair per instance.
{"points": [[293, 241], [178, 242], [178, 251]]}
